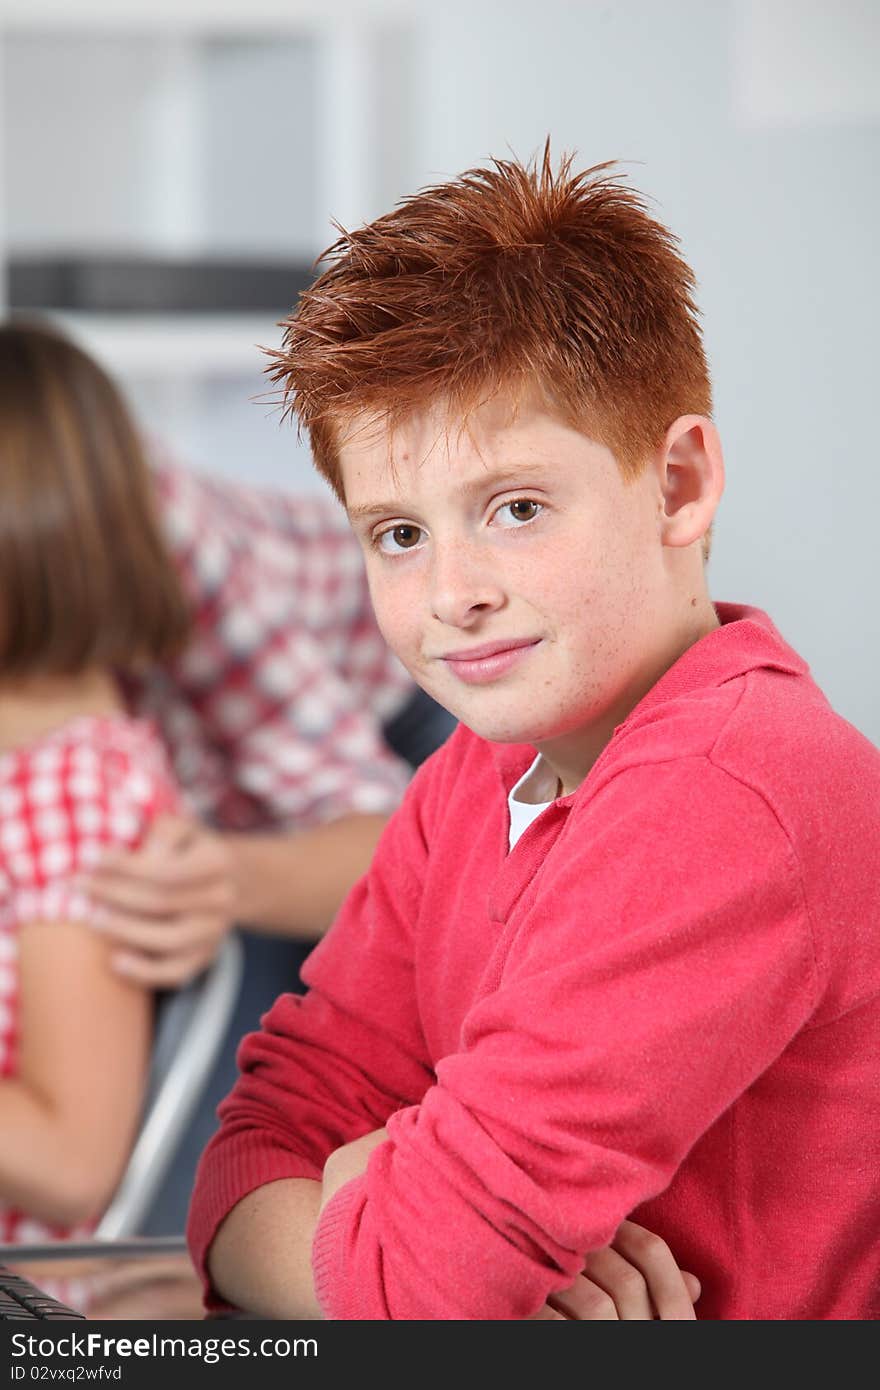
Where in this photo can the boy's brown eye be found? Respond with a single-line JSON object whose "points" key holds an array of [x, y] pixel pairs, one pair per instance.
{"points": [[405, 536], [523, 509]]}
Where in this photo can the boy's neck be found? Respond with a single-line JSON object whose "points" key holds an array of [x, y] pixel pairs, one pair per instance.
{"points": [[35, 706], [571, 756]]}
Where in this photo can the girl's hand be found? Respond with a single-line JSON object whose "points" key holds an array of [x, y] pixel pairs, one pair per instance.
{"points": [[165, 908]]}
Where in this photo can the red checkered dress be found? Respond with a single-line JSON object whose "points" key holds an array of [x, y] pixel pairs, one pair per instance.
{"points": [[273, 713], [95, 782]]}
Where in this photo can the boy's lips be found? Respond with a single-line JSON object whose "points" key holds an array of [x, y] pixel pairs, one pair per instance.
{"points": [[478, 665], [490, 649]]}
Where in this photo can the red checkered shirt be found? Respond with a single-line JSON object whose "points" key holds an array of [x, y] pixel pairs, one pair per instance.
{"points": [[94, 782], [273, 713]]}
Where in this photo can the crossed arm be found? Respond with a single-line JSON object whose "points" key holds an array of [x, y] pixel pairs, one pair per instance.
{"points": [[261, 1258], [493, 1170]]}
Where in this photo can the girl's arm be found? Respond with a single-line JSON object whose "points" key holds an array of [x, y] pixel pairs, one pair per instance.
{"points": [[68, 1117]]}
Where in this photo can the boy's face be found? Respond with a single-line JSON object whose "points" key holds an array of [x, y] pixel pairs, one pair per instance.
{"points": [[518, 578]]}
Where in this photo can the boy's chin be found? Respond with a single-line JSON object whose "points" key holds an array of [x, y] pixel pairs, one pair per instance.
{"points": [[501, 730], [491, 720]]}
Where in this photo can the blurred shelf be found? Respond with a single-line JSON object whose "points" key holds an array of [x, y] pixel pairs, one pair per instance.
{"points": [[164, 164], [195, 344], [110, 283]]}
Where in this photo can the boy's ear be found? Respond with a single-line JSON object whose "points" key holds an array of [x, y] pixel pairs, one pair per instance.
{"points": [[691, 468]]}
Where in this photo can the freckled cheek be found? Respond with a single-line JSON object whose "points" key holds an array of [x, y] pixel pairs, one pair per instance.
{"points": [[590, 605], [400, 619], [570, 601], [561, 575]]}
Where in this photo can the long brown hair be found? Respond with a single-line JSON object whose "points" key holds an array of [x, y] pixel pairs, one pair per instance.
{"points": [[85, 578]]}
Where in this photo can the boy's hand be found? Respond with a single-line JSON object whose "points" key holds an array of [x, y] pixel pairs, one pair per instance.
{"points": [[167, 905], [634, 1278], [348, 1162]]}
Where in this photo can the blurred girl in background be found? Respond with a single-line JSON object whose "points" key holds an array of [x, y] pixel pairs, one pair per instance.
{"points": [[87, 593]]}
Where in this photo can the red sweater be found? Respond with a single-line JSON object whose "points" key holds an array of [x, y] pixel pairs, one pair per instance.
{"points": [[664, 1002]]}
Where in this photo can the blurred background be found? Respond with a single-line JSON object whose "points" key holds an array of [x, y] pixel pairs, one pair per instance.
{"points": [[170, 168]]}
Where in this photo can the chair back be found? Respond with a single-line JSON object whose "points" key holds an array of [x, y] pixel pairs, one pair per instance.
{"points": [[190, 1026]]}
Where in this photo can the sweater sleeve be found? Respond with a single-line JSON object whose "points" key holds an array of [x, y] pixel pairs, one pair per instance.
{"points": [[335, 1063], [662, 965]]}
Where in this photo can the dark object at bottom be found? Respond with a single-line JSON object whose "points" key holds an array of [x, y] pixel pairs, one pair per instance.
{"points": [[22, 1300]]}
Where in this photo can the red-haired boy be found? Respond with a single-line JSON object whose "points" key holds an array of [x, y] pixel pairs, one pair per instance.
{"points": [[617, 954]]}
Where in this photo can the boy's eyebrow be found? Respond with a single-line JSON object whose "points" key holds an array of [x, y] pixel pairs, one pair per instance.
{"points": [[470, 487], [375, 509]]}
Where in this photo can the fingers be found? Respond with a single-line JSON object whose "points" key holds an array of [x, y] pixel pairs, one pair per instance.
{"points": [[588, 1301], [165, 906], [167, 837], [175, 854], [671, 1293], [636, 1278], [151, 897], [173, 936], [162, 972], [168, 876], [692, 1284], [610, 1287], [162, 954], [171, 832]]}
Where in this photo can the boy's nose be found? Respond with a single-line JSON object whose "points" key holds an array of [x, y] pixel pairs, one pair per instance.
{"points": [[464, 586]]}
